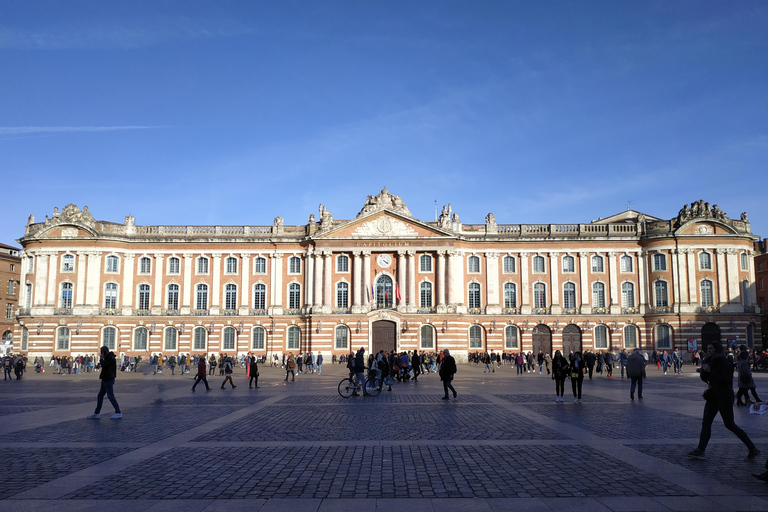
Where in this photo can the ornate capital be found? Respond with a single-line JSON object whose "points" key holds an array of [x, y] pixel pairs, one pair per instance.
{"points": [[720, 250], [524, 254], [492, 255], [216, 255], [612, 254], [583, 254]]}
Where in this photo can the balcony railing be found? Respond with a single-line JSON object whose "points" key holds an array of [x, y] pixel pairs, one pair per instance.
{"points": [[342, 311], [110, 311], [475, 311], [141, 312], [602, 310], [24, 312], [199, 312], [292, 311], [631, 310], [171, 312], [427, 310], [62, 311], [708, 309], [230, 312], [661, 309], [540, 311], [510, 311], [258, 312], [572, 311]]}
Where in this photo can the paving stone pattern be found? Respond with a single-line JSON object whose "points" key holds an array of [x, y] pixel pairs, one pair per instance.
{"points": [[384, 397]]}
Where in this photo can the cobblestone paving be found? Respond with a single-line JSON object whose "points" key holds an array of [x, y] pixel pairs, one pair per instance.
{"points": [[25, 469], [17, 409], [378, 422], [385, 397], [547, 398], [143, 424], [382, 472], [45, 401]]}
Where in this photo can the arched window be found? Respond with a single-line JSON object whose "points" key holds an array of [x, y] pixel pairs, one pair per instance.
{"points": [[475, 337], [260, 296], [597, 264], [342, 337], [425, 294], [707, 299], [474, 295], [626, 263], [62, 338], [140, 336], [201, 296], [427, 337], [342, 263], [294, 296], [569, 264], [145, 265], [66, 295], [294, 265], [112, 264], [294, 337], [110, 295], [342, 295], [199, 336], [744, 261], [230, 296], [202, 265], [569, 295], [144, 296], [510, 295], [109, 338], [630, 336], [25, 339], [473, 265], [705, 261], [510, 337], [171, 335], [663, 337], [659, 262], [539, 295], [627, 295], [598, 295], [257, 340], [229, 338], [538, 264], [425, 263], [68, 263], [231, 265], [601, 337], [661, 294], [173, 296], [260, 265], [509, 265], [174, 265], [383, 287]]}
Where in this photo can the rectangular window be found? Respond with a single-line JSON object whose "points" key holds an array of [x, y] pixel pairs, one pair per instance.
{"points": [[659, 262], [258, 339], [31, 263], [13, 267], [425, 263], [173, 266], [11, 290], [9, 311], [260, 266], [597, 264], [68, 263], [509, 265]]}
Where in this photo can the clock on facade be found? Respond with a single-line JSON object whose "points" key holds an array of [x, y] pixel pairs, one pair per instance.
{"points": [[384, 260]]}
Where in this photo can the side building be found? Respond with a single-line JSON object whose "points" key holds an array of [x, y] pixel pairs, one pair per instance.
{"points": [[761, 280], [10, 273], [386, 280]]}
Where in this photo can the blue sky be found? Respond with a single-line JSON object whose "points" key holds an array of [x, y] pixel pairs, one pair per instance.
{"points": [[232, 112]]}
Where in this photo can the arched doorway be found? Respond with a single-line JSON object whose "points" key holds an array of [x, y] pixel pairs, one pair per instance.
{"points": [[709, 332], [571, 339], [542, 339], [383, 289], [384, 336]]}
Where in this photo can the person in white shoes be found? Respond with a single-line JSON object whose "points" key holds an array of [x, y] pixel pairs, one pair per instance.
{"points": [[107, 377], [559, 374]]}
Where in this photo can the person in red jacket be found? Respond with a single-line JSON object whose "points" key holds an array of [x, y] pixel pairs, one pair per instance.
{"points": [[201, 373]]}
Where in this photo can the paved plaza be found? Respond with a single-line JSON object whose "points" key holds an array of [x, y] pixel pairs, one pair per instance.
{"points": [[504, 444]]}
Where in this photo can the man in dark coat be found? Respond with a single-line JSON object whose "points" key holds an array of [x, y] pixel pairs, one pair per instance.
{"points": [[253, 372], [107, 377], [636, 372], [447, 371], [590, 359]]}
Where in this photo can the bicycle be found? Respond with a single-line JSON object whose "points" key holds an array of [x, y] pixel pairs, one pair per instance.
{"points": [[371, 387]]}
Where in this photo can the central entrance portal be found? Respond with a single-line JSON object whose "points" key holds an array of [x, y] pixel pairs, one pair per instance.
{"points": [[383, 336]]}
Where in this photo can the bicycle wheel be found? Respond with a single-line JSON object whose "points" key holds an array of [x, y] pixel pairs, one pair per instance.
{"points": [[372, 386], [346, 388]]}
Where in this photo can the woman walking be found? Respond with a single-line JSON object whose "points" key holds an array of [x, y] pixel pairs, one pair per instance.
{"points": [[746, 382], [290, 367], [559, 374], [227, 367], [577, 376], [717, 371]]}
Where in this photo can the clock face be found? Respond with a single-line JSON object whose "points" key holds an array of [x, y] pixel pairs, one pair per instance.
{"points": [[384, 260]]}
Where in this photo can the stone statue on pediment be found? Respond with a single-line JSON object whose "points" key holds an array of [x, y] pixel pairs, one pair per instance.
{"points": [[444, 220], [384, 200], [490, 219], [31, 219], [278, 221], [744, 217], [718, 213]]}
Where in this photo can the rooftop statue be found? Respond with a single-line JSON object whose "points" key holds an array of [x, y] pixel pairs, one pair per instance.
{"points": [[384, 200]]}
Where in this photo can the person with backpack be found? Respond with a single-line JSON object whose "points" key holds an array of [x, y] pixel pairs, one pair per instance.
{"points": [[7, 364], [227, 367]]}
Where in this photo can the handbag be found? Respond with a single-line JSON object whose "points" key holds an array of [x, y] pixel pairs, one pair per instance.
{"points": [[708, 394]]}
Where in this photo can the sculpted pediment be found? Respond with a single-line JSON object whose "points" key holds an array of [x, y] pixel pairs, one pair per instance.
{"points": [[705, 228], [384, 225]]}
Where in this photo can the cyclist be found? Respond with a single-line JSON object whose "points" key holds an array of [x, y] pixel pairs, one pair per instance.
{"points": [[359, 369]]}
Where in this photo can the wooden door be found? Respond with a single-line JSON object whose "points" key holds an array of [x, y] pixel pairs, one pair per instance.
{"points": [[571, 339], [542, 339], [383, 336]]}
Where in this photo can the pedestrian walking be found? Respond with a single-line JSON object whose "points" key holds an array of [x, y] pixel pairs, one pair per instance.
{"points": [[560, 369], [447, 371], [253, 373], [202, 371], [228, 373], [107, 376], [290, 367], [717, 372], [746, 382], [636, 372], [577, 376]]}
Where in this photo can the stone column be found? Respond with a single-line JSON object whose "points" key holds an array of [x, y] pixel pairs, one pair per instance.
{"points": [[554, 280], [586, 289], [720, 295], [642, 279], [367, 277], [328, 301], [493, 306], [358, 284], [128, 272], [186, 295], [456, 291], [318, 287], [216, 284], [309, 278], [412, 302], [81, 272], [158, 295], [753, 288], [732, 262], [613, 279], [277, 283], [41, 279], [93, 282], [680, 287], [441, 280], [53, 268], [525, 285], [693, 286], [401, 274], [245, 291]]}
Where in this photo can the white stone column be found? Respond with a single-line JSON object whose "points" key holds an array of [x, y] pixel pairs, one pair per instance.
{"points": [[358, 284], [245, 291], [554, 280], [93, 283], [328, 301], [309, 278], [753, 284], [41, 279], [720, 295], [693, 286], [367, 277], [732, 262], [128, 283], [412, 301], [186, 293], [277, 283], [525, 285], [441, 279], [81, 271], [216, 284], [53, 267], [614, 280], [318, 288], [401, 274], [158, 304], [586, 289], [675, 258], [680, 287], [642, 280], [456, 292], [493, 306]]}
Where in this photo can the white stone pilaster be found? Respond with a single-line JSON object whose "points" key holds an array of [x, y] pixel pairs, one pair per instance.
{"points": [[128, 271], [309, 278], [245, 292], [318, 289], [525, 284], [158, 295], [186, 292], [412, 300], [367, 277], [41, 279], [720, 294], [493, 306], [441, 279], [358, 284], [216, 285], [81, 271], [93, 282], [53, 267], [401, 274], [586, 289], [328, 301], [614, 283], [554, 286]]}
